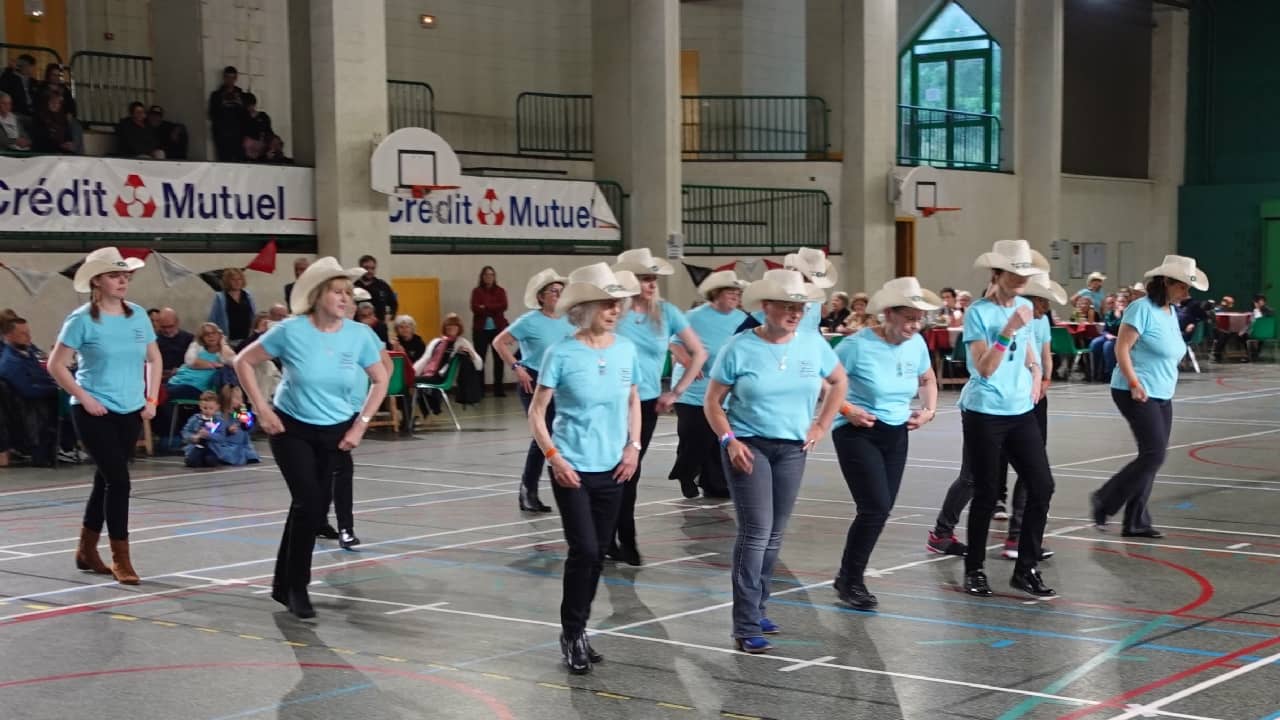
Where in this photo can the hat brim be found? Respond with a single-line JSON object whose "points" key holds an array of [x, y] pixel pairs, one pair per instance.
{"points": [[758, 292], [300, 297], [885, 299], [660, 267], [577, 293], [1199, 281], [996, 261], [532, 290], [93, 269], [825, 278], [709, 286], [1054, 292]]}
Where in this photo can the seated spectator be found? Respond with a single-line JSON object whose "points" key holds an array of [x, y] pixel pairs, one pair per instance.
{"points": [[261, 323], [215, 437], [277, 312], [1103, 348], [206, 367], [406, 338], [32, 397], [1226, 304], [135, 138], [1223, 337], [52, 129], [172, 137], [227, 116], [153, 314], [257, 129], [858, 317], [172, 340], [55, 84], [19, 83], [366, 314], [1190, 313], [836, 314], [13, 127], [1084, 312], [433, 366]]}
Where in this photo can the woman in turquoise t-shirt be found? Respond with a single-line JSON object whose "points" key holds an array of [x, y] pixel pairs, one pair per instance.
{"points": [[650, 324], [205, 360], [714, 322], [1148, 350], [532, 333], [887, 366], [110, 399], [772, 377], [593, 446], [313, 421]]}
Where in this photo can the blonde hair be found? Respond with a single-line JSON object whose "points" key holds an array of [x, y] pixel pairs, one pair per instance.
{"points": [[454, 320], [313, 297], [229, 273], [206, 327]]}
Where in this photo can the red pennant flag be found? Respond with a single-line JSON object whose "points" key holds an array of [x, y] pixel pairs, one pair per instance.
{"points": [[140, 253], [728, 266], [772, 265], [265, 260]]}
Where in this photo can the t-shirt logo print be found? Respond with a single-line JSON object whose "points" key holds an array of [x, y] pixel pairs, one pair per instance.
{"points": [[808, 369], [139, 336]]}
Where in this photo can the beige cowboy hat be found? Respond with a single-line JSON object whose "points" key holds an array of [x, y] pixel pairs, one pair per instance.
{"points": [[1181, 268], [102, 260], [316, 274], [1015, 256], [1139, 287], [361, 295], [642, 262], [903, 292], [591, 283], [783, 286], [1043, 287], [720, 280], [628, 280], [814, 265], [1096, 276], [537, 283]]}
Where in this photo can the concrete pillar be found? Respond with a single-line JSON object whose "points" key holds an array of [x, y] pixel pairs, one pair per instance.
{"points": [[348, 61], [179, 70], [1039, 122], [636, 88], [870, 104], [1169, 46], [303, 149], [824, 40]]}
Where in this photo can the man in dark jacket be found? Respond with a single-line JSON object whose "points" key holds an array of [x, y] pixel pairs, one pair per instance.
{"points": [[33, 394], [135, 138], [171, 136], [227, 115], [19, 82], [384, 300]]}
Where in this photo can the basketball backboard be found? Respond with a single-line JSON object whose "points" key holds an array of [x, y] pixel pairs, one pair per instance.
{"points": [[412, 162]]}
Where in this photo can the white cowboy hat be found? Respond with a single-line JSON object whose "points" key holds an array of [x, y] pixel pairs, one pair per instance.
{"points": [[1096, 276], [1015, 256], [361, 295], [102, 260], [814, 265], [316, 274], [642, 262], [782, 286], [537, 283], [591, 283], [903, 292], [1043, 287], [1139, 287], [1181, 268], [628, 280], [720, 280]]}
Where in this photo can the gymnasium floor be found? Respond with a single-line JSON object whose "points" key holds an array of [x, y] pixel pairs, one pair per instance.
{"points": [[449, 608]]}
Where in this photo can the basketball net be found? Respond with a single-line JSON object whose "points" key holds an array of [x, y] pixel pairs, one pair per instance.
{"points": [[945, 228]]}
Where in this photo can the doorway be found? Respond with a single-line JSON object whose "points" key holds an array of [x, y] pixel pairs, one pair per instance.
{"points": [[904, 255], [690, 109]]}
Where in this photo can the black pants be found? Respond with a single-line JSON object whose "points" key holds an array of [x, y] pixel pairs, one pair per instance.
{"points": [[627, 512], [961, 490], [307, 455], [533, 460], [339, 492], [988, 438], [1130, 488], [871, 460], [483, 340], [109, 439], [588, 513], [698, 452]]}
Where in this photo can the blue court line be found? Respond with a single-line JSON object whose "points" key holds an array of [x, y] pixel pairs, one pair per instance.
{"points": [[1272, 716]]}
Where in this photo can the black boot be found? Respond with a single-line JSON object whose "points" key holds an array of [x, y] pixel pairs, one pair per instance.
{"points": [[1030, 582], [327, 532], [300, 604], [576, 654], [529, 501], [855, 595]]}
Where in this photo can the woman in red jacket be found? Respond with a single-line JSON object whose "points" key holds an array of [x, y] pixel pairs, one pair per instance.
{"points": [[489, 306]]}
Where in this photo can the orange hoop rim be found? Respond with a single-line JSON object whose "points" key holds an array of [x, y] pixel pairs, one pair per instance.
{"points": [[930, 211], [421, 191]]}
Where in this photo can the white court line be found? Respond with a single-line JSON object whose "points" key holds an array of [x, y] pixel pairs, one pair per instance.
{"points": [[807, 663], [411, 608], [1142, 710], [680, 559], [1138, 543], [1237, 399], [1171, 447], [1238, 546], [132, 481]]}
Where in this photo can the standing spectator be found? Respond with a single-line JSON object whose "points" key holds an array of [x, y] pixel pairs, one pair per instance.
{"points": [[171, 137], [54, 85], [19, 83], [232, 309], [489, 306], [381, 296], [1190, 313], [13, 128], [299, 266], [1094, 289], [52, 131], [1103, 348], [227, 115], [134, 137], [257, 130], [172, 340]]}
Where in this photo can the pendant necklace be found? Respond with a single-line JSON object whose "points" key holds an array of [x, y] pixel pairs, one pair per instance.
{"points": [[782, 362]]}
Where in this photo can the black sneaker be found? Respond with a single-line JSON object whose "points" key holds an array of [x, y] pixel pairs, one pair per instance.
{"points": [[1030, 582], [975, 583], [856, 596], [689, 489], [948, 545], [576, 654], [1001, 513], [327, 532], [347, 539], [1097, 513]]}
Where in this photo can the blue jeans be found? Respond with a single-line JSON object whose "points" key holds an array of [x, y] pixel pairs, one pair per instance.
{"points": [[1103, 350], [762, 500]]}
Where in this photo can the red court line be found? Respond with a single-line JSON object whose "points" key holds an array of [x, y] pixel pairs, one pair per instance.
{"points": [[500, 710], [1206, 587], [1194, 454]]}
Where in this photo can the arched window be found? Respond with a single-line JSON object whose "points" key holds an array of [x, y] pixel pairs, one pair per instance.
{"points": [[949, 85]]}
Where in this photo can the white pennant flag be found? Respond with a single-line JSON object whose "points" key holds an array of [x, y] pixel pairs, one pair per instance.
{"points": [[171, 271], [33, 280], [749, 268]]}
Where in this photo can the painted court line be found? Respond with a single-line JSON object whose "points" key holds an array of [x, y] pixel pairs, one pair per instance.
{"points": [[1142, 710], [1171, 447], [680, 559], [132, 481], [807, 663], [1238, 546]]}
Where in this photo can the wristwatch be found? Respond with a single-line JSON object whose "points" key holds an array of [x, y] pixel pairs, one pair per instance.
{"points": [[636, 445], [515, 366], [366, 419]]}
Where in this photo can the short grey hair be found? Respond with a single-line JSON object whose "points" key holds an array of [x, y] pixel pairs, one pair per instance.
{"points": [[362, 305], [583, 315], [405, 320]]}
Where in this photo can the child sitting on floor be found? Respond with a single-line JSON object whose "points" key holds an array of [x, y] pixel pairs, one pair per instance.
{"points": [[214, 438]]}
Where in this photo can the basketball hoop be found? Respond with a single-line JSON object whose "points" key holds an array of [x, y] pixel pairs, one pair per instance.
{"points": [[930, 211], [417, 192]]}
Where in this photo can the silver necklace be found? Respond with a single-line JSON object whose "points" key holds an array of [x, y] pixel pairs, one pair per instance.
{"points": [[782, 362]]}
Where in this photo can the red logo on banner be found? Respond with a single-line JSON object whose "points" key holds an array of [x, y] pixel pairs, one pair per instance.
{"points": [[490, 212], [135, 200]]}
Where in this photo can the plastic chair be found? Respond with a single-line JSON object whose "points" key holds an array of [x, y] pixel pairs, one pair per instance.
{"points": [[1061, 343], [173, 413], [396, 387], [444, 387], [1263, 332]]}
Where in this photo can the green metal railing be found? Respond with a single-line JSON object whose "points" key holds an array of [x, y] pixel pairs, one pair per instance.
{"points": [[712, 126], [948, 138], [553, 124], [82, 242], [105, 83], [410, 104], [753, 221]]}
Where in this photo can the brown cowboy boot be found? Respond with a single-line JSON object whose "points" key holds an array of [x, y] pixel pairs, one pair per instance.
{"points": [[87, 557], [121, 567]]}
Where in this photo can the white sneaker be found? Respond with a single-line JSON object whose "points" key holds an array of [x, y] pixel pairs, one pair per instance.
{"points": [[1001, 513], [1010, 552]]}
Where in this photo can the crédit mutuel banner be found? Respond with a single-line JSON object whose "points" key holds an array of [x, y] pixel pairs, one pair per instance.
{"points": [[84, 194]]}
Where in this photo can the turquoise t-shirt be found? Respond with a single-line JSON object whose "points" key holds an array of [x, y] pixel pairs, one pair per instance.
{"points": [[593, 396], [536, 332], [714, 329], [360, 390], [812, 320], [651, 345], [1042, 330], [112, 350], [323, 371], [883, 378], [775, 388], [201, 378], [1156, 354], [1008, 390]]}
